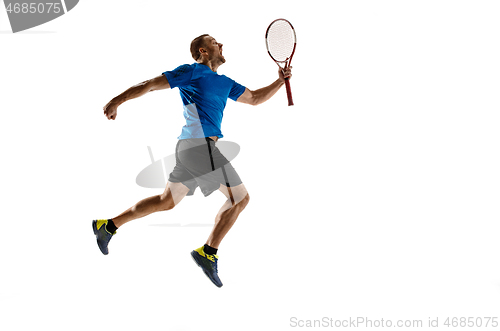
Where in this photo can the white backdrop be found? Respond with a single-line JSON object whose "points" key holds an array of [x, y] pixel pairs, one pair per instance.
{"points": [[375, 196]]}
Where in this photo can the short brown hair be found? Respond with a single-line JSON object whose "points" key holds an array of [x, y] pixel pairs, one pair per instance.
{"points": [[195, 46]]}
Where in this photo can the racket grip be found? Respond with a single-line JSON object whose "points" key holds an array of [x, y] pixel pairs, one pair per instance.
{"points": [[288, 92]]}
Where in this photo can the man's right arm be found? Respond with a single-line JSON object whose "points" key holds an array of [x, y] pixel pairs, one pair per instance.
{"points": [[157, 83], [262, 95]]}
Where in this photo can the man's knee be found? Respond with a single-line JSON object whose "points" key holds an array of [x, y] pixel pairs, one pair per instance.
{"points": [[166, 201], [243, 202]]}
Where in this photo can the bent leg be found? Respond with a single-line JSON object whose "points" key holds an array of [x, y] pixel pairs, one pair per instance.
{"points": [[237, 200], [173, 194]]}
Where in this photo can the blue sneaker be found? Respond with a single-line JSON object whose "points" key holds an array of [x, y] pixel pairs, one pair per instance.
{"points": [[102, 234], [208, 263]]}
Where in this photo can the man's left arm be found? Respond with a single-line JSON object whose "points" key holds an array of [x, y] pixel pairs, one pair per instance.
{"points": [[259, 96]]}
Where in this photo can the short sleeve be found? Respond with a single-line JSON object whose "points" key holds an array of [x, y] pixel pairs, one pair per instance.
{"points": [[180, 76], [236, 91]]}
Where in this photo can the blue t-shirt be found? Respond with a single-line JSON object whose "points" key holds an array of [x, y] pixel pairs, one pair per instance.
{"points": [[204, 94]]}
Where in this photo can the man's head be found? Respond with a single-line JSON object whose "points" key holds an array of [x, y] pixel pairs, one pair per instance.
{"points": [[206, 48]]}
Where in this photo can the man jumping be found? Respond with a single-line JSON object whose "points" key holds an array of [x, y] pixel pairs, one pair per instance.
{"points": [[199, 163]]}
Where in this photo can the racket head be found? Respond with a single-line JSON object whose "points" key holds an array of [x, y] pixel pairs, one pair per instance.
{"points": [[281, 41]]}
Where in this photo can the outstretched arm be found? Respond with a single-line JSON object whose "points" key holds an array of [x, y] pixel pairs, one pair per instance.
{"points": [[157, 83], [262, 95]]}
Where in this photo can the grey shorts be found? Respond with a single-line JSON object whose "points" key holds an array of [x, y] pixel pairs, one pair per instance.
{"points": [[200, 163]]}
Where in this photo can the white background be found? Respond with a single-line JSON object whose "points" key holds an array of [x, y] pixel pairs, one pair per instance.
{"points": [[376, 195]]}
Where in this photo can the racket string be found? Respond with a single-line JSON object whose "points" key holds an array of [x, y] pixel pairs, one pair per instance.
{"points": [[280, 40]]}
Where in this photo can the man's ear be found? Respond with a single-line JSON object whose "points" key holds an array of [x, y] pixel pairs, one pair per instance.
{"points": [[203, 51]]}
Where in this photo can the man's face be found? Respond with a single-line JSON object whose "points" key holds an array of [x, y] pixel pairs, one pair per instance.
{"points": [[214, 49]]}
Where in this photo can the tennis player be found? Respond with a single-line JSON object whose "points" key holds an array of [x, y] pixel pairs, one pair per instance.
{"points": [[199, 163]]}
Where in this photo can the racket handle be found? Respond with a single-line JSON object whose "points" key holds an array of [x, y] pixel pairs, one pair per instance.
{"points": [[288, 92]]}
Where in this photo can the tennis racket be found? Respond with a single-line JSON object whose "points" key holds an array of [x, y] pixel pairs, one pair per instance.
{"points": [[280, 43]]}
